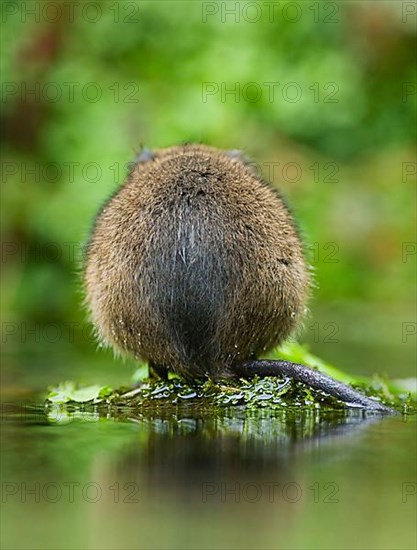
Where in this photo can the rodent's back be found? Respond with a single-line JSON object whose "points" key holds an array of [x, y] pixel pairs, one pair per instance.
{"points": [[195, 264]]}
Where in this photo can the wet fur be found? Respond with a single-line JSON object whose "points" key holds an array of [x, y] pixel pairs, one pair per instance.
{"points": [[195, 264]]}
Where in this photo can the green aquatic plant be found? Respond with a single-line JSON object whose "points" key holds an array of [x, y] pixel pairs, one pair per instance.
{"points": [[271, 393]]}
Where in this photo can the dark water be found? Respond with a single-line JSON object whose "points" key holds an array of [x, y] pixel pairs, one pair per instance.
{"points": [[184, 479]]}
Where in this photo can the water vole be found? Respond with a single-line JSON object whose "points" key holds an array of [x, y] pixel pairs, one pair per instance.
{"points": [[195, 265]]}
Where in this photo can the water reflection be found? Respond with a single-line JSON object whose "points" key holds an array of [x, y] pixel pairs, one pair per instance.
{"points": [[182, 446], [183, 478]]}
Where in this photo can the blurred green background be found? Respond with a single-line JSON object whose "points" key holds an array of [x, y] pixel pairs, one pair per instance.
{"points": [[321, 95]]}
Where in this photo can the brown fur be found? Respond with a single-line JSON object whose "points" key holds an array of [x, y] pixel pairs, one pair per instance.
{"points": [[195, 264]]}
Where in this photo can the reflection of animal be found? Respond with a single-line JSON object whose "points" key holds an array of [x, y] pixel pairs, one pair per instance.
{"points": [[195, 265]]}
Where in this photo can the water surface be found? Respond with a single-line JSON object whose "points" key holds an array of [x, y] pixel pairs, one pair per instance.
{"points": [[189, 479]]}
